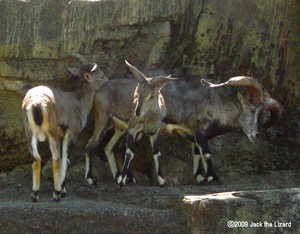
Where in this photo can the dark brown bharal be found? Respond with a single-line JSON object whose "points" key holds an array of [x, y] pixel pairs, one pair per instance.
{"points": [[206, 111]]}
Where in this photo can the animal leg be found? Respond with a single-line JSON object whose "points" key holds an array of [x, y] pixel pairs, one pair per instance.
{"points": [[55, 151], [98, 134], [121, 149], [36, 168], [130, 140], [157, 157], [202, 144], [198, 165], [109, 150], [67, 144]]}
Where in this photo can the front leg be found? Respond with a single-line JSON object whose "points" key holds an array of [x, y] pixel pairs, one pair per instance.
{"points": [[121, 149], [157, 157], [201, 145], [130, 140]]}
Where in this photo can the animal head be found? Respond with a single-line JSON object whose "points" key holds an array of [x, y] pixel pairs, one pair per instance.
{"points": [[90, 72], [253, 111], [147, 93]]}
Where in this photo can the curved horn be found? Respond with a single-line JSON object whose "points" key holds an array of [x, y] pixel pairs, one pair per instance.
{"points": [[137, 73], [78, 56], [161, 80], [274, 107], [250, 83]]}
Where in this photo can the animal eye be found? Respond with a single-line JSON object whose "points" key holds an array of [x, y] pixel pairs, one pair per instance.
{"points": [[151, 97]]}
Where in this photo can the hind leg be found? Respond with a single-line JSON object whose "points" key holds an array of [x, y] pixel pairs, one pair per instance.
{"points": [[109, 151], [36, 168], [32, 143], [101, 127], [201, 143], [67, 145], [54, 147]]}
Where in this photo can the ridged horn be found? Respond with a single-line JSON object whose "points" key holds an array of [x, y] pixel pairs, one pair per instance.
{"points": [[140, 77], [274, 107], [252, 85], [78, 56], [161, 80]]}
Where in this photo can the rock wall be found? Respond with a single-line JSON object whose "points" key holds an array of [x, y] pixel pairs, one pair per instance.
{"points": [[212, 38]]}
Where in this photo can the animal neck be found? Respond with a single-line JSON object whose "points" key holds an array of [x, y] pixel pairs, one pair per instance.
{"points": [[87, 93], [231, 113], [217, 128], [86, 99]]}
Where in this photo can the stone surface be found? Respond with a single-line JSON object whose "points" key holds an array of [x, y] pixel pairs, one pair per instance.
{"points": [[174, 170], [151, 209], [258, 211], [13, 147]]}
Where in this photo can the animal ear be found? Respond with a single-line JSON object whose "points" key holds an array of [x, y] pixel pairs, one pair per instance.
{"points": [[74, 71], [87, 76], [93, 67], [160, 81], [244, 102], [137, 74]]}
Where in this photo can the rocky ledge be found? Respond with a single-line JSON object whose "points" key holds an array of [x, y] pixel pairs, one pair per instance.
{"points": [[268, 206]]}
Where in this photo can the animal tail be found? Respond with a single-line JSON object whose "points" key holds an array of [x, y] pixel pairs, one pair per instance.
{"points": [[37, 115]]}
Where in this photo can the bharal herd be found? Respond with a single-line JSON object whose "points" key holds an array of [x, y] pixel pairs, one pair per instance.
{"points": [[136, 108]]}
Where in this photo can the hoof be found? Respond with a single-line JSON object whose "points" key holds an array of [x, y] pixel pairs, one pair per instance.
{"points": [[209, 180], [162, 182], [130, 180], [203, 183], [35, 196], [91, 182], [215, 181], [63, 192], [164, 185], [56, 199], [121, 181], [201, 180], [56, 195]]}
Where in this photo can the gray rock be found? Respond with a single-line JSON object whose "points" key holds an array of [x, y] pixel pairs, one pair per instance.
{"points": [[174, 170], [250, 211]]}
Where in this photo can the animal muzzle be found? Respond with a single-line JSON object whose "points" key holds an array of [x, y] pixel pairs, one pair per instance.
{"points": [[253, 136]]}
